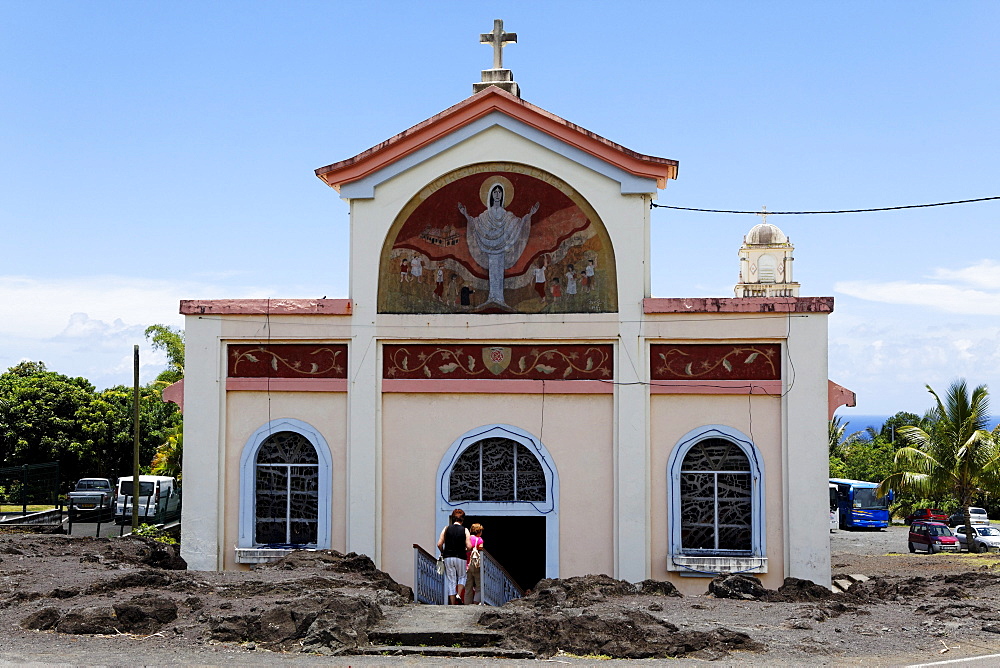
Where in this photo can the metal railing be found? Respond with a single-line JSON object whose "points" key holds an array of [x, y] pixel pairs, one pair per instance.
{"points": [[30, 484], [498, 586], [428, 585]]}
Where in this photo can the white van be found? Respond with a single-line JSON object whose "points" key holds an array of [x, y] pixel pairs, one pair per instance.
{"points": [[159, 499]]}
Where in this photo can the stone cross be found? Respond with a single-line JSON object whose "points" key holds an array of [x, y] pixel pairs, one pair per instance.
{"points": [[498, 38]]}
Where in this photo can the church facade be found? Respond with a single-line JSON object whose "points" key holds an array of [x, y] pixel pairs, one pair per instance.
{"points": [[500, 352]]}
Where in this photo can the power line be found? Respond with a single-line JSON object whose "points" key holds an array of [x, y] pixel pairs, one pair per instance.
{"points": [[654, 205]]}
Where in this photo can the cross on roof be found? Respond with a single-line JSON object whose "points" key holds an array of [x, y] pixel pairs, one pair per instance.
{"points": [[763, 214], [498, 38]]}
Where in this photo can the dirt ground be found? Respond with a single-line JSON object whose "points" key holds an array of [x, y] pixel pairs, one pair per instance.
{"points": [[86, 601]]}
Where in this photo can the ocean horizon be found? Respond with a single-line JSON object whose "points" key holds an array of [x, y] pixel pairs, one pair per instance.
{"points": [[862, 422]]}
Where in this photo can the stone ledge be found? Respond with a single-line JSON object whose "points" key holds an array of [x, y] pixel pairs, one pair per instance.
{"points": [[261, 555], [265, 307], [665, 305], [708, 567]]}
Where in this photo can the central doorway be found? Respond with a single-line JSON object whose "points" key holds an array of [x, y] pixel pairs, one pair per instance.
{"points": [[517, 543], [505, 479]]}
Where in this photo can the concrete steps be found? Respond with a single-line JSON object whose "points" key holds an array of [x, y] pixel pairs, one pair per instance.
{"points": [[841, 585], [437, 630]]}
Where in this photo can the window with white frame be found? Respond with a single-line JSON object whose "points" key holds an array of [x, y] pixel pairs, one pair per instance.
{"points": [[716, 501], [285, 488]]}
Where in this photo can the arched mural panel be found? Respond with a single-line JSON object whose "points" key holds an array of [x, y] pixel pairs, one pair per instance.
{"points": [[497, 238]]}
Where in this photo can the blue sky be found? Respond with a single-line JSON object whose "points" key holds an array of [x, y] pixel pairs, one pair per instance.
{"points": [[152, 152]]}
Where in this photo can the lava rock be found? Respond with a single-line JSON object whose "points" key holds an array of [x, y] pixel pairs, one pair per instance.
{"points": [[89, 620], [659, 588], [146, 613], [739, 586], [41, 620]]}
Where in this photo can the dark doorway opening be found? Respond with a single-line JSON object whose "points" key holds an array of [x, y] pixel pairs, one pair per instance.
{"points": [[518, 543]]}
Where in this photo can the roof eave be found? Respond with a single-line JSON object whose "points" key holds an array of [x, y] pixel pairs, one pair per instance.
{"points": [[477, 106]]}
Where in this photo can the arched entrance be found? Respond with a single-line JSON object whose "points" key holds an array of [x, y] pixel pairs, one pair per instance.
{"points": [[505, 479]]}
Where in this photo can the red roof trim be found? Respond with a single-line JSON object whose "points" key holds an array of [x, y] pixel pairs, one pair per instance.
{"points": [[266, 307], [477, 106], [656, 305]]}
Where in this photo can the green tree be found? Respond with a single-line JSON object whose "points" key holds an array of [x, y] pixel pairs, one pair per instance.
{"points": [[869, 459], [46, 416], [157, 420], [167, 460], [890, 428], [170, 341], [42, 417], [954, 454]]}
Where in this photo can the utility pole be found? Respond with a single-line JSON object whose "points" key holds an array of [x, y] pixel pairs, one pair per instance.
{"points": [[135, 440]]}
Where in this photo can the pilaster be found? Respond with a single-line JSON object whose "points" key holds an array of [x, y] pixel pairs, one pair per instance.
{"points": [[205, 451], [806, 465]]}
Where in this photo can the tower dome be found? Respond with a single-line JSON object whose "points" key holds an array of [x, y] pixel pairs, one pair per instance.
{"points": [[765, 234], [766, 263]]}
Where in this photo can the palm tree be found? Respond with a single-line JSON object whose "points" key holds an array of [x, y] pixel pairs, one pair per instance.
{"points": [[167, 460], [956, 456], [838, 442]]}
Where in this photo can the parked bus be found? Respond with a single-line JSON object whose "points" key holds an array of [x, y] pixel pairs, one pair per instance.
{"points": [[858, 506], [834, 508]]}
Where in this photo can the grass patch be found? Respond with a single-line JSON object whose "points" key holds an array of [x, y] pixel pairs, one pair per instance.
{"points": [[10, 508], [589, 657]]}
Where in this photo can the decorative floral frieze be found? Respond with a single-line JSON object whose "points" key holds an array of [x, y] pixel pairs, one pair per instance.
{"points": [[745, 361], [288, 360], [552, 362]]}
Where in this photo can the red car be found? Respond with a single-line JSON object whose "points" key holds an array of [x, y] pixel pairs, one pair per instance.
{"points": [[927, 515], [932, 537]]}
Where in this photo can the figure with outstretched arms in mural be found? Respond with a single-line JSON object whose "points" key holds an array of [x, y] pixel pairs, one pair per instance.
{"points": [[496, 239]]}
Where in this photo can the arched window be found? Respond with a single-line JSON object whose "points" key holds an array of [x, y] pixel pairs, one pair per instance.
{"points": [[716, 508], [497, 469], [767, 268], [716, 503], [503, 471], [286, 491]]}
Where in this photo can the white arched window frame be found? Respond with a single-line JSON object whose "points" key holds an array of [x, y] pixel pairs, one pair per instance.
{"points": [[248, 462], [700, 563], [549, 508]]}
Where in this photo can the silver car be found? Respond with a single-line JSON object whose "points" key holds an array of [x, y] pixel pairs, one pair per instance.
{"points": [[986, 537], [978, 516]]}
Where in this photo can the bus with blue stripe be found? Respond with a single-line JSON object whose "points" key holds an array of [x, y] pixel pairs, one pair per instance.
{"points": [[858, 505]]}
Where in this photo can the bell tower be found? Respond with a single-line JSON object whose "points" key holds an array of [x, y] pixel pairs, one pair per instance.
{"points": [[766, 263]]}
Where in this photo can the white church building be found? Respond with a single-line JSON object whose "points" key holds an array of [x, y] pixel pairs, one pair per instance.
{"points": [[500, 351]]}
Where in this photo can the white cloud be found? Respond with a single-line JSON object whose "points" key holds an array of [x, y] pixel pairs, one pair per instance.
{"points": [[950, 298], [889, 353], [88, 326], [984, 274], [973, 290]]}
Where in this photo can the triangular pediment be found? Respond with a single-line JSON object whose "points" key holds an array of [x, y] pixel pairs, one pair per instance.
{"points": [[357, 176]]}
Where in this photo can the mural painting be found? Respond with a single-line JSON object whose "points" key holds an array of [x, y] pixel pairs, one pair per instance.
{"points": [[287, 360], [498, 238], [511, 362], [713, 361]]}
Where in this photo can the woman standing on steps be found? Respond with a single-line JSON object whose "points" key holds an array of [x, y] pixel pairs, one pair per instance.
{"points": [[454, 543], [473, 576]]}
